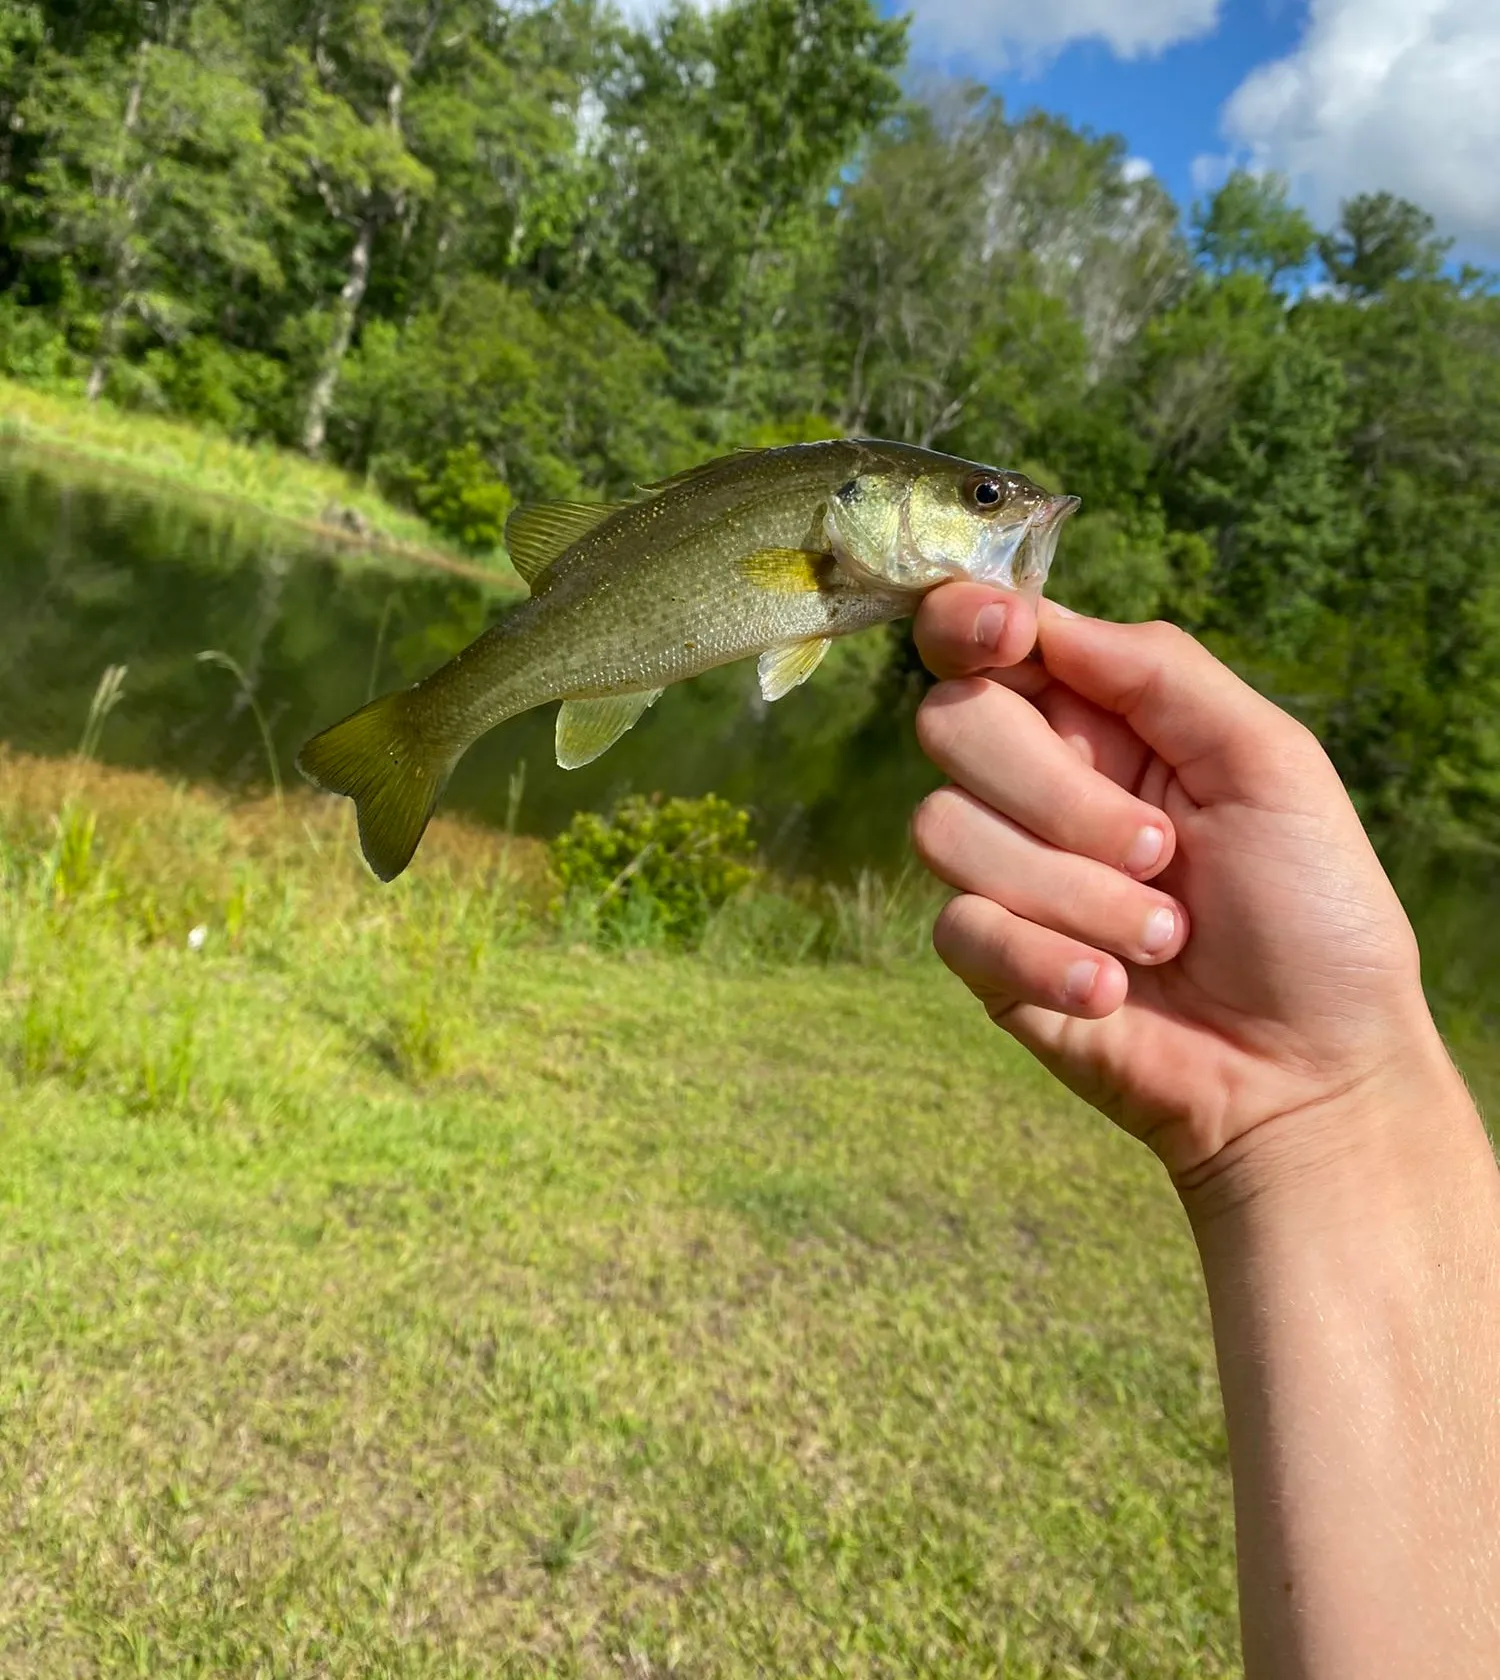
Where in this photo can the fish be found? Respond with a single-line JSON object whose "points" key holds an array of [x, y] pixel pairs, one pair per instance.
{"points": [[762, 553]]}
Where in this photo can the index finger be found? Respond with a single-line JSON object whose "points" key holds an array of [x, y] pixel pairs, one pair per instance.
{"points": [[1223, 739]]}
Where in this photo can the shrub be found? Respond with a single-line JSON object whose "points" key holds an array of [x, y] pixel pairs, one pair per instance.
{"points": [[32, 349], [239, 391], [654, 866], [466, 499]]}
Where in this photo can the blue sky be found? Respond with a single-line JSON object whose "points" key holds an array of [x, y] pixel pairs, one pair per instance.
{"points": [[1341, 96], [1167, 105]]}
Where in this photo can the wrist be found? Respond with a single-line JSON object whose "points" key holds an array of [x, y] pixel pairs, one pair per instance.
{"points": [[1381, 1149]]}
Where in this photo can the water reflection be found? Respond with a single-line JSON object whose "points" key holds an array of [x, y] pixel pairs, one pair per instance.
{"points": [[99, 574]]}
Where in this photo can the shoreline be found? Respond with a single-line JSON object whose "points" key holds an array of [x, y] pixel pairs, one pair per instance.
{"points": [[21, 432]]}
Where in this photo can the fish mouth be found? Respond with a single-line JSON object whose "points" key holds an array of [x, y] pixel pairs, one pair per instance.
{"points": [[1039, 545]]}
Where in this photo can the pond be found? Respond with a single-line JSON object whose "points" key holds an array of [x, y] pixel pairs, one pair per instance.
{"points": [[110, 574], [98, 574]]}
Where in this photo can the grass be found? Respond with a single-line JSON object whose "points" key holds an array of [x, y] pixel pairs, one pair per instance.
{"points": [[391, 1289], [277, 483]]}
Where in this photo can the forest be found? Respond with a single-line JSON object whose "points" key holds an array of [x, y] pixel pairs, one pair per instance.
{"points": [[480, 251]]}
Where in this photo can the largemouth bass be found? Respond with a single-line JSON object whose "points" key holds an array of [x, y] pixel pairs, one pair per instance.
{"points": [[769, 553]]}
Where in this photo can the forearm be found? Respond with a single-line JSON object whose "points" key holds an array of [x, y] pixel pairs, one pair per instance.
{"points": [[1353, 1269]]}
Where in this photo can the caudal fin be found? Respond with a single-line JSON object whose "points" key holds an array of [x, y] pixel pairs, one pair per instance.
{"points": [[378, 759]]}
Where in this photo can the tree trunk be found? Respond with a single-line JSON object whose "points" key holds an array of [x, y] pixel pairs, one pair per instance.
{"points": [[114, 316], [109, 335], [346, 313]]}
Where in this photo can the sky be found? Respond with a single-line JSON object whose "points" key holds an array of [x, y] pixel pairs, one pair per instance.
{"points": [[1342, 96]]}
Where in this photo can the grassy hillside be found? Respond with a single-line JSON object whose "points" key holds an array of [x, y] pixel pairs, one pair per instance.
{"points": [[275, 482], [389, 1289]]}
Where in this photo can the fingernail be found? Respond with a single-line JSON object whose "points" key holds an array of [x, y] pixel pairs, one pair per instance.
{"points": [[1079, 983], [1160, 931], [989, 626], [1064, 612], [1145, 851]]}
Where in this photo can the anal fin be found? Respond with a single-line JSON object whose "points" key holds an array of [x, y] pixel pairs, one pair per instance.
{"points": [[588, 728], [783, 668]]}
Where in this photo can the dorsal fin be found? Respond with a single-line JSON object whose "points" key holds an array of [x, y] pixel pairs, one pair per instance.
{"points": [[537, 534], [702, 470]]}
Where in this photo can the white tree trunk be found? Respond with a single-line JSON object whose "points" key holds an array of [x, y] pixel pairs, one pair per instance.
{"points": [[109, 327], [346, 313]]}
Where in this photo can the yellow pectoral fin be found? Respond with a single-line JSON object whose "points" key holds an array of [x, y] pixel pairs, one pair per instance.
{"points": [[783, 668], [786, 571], [588, 728]]}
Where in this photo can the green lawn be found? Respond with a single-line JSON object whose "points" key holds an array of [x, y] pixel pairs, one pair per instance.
{"points": [[390, 1290]]}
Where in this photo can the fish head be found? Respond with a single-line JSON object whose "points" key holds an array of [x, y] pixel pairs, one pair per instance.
{"points": [[912, 528]]}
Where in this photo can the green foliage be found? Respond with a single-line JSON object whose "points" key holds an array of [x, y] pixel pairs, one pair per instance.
{"points": [[490, 250], [549, 403], [466, 499], [1276, 494], [32, 348], [240, 392], [654, 866], [1381, 239], [1250, 225]]}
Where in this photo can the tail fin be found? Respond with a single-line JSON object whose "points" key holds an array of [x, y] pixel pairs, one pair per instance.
{"points": [[378, 759]]}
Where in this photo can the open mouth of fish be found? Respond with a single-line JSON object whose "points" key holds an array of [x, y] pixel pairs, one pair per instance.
{"points": [[1038, 546]]}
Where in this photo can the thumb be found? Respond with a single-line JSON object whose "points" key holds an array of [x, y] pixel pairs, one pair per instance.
{"points": [[1224, 740]]}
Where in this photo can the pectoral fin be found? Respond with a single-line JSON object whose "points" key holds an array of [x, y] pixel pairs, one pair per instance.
{"points": [[588, 728], [783, 668], [786, 571]]}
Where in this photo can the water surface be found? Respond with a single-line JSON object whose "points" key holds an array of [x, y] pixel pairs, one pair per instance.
{"points": [[98, 574]]}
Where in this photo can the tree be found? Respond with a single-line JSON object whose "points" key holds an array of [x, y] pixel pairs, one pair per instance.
{"points": [[1381, 239], [722, 138], [154, 185], [984, 266], [1249, 226]]}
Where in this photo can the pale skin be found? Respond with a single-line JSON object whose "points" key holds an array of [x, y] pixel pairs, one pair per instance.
{"points": [[1166, 896]]}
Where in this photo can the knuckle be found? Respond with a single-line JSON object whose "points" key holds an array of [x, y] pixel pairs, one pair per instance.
{"points": [[953, 930], [935, 826], [940, 716], [1076, 904], [1076, 808], [1165, 639]]}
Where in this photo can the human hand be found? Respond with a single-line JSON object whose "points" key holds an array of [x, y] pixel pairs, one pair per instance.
{"points": [[1166, 894]]}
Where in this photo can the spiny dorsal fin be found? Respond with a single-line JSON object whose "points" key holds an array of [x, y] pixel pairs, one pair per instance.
{"points": [[703, 470], [785, 571], [539, 533], [588, 728], [783, 668]]}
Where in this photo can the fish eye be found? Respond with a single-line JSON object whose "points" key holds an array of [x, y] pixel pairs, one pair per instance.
{"points": [[986, 494]]}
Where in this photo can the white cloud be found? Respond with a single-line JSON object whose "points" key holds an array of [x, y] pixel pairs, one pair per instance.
{"points": [[986, 35], [1402, 95], [1210, 170], [1136, 169]]}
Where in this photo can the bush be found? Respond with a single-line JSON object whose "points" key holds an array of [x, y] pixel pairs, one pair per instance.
{"points": [[466, 499], [239, 391], [654, 867], [32, 349]]}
